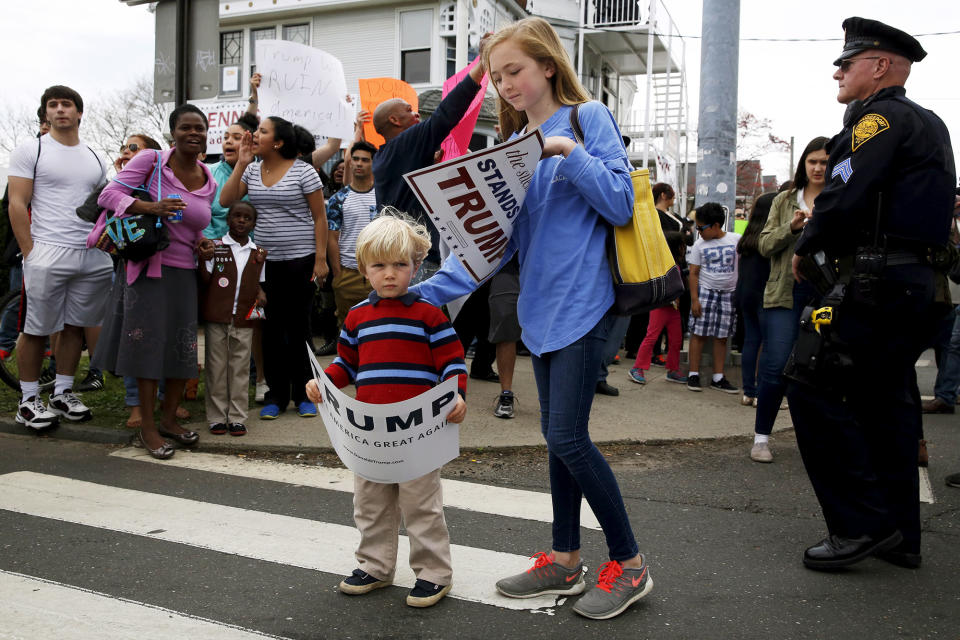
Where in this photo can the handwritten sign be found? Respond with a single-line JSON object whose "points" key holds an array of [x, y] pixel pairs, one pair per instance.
{"points": [[373, 91], [394, 442], [458, 142], [220, 115], [305, 86], [473, 200]]}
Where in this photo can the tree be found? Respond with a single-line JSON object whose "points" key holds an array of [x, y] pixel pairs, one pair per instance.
{"points": [[108, 120], [755, 139]]}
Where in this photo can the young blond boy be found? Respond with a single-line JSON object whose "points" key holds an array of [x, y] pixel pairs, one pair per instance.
{"points": [[390, 366]]}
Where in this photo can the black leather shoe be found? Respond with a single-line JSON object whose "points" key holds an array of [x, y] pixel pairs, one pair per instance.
{"points": [[186, 439], [488, 377], [835, 552], [900, 558], [603, 388], [327, 349]]}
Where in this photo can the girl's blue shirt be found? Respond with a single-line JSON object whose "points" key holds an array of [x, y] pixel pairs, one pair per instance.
{"points": [[560, 235]]}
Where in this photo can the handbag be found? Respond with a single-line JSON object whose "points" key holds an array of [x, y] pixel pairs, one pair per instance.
{"points": [[645, 275], [139, 236]]}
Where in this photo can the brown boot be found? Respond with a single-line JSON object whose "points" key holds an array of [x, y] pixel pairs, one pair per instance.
{"points": [[937, 406], [923, 458]]}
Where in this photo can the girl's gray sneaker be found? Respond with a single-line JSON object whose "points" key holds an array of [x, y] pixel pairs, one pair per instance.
{"points": [[544, 578], [617, 588]]}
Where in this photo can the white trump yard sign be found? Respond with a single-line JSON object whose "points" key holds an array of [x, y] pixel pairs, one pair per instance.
{"points": [[474, 199], [305, 86], [393, 442]]}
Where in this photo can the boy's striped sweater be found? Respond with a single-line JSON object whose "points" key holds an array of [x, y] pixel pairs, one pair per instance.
{"points": [[397, 348]]}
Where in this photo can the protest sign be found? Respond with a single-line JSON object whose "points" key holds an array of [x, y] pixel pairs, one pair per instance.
{"points": [[473, 200], [305, 86], [394, 442], [373, 91], [458, 142], [220, 115]]}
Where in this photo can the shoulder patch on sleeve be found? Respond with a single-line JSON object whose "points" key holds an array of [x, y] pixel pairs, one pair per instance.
{"points": [[843, 169], [868, 126]]}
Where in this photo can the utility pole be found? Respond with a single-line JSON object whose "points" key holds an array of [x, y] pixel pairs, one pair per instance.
{"points": [[717, 122]]}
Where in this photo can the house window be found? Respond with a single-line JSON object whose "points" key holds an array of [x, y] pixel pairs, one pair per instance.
{"points": [[231, 47], [231, 57], [416, 33], [448, 20], [450, 45], [297, 33], [264, 33]]}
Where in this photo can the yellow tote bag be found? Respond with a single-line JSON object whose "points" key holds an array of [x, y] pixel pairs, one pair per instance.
{"points": [[645, 275]]}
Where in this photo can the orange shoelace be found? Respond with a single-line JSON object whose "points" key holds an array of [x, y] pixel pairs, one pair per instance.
{"points": [[541, 560], [609, 572]]}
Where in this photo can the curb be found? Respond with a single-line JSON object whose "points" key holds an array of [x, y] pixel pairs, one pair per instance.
{"points": [[70, 431]]}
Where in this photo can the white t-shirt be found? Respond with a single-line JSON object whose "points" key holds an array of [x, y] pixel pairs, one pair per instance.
{"points": [[718, 261], [65, 176], [241, 255]]}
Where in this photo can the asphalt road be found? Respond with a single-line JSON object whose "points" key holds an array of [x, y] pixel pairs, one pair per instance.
{"points": [[723, 537]]}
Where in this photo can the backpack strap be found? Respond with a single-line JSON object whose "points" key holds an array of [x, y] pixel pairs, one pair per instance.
{"points": [[37, 161], [575, 123]]}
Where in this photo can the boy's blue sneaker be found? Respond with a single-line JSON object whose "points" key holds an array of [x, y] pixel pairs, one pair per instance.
{"points": [[306, 409], [426, 593], [269, 412], [636, 375], [360, 582], [676, 376]]}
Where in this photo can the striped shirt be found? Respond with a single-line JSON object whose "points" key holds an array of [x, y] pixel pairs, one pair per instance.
{"points": [[284, 221], [348, 212], [395, 349]]}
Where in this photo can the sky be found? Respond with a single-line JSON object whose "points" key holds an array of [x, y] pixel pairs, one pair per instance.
{"points": [[98, 45]]}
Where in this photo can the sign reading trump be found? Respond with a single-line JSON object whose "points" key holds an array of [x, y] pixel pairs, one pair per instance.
{"points": [[394, 442], [474, 200]]}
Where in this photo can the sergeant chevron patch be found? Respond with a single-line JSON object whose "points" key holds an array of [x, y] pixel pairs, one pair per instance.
{"points": [[843, 169], [868, 126]]}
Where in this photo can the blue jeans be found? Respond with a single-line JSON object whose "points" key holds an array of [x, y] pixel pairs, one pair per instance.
{"points": [[750, 311], [566, 381], [618, 329], [779, 328], [131, 396], [948, 375]]}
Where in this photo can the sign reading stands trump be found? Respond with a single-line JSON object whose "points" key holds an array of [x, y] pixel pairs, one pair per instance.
{"points": [[394, 442], [474, 200]]}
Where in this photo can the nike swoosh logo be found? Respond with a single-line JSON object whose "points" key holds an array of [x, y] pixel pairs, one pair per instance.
{"points": [[636, 581], [572, 578]]}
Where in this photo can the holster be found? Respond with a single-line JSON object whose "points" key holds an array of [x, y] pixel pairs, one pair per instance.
{"points": [[819, 359]]}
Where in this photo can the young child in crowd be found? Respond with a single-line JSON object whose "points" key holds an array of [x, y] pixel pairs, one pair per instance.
{"points": [[713, 278], [389, 251], [231, 304]]}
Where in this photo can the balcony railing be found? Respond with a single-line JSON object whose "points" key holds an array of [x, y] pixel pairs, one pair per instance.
{"points": [[616, 13]]}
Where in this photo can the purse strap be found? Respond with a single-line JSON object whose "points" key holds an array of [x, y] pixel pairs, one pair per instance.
{"points": [[575, 123]]}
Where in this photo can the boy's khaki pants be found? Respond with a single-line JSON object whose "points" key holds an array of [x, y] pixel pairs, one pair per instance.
{"points": [[377, 509], [350, 288], [226, 356]]}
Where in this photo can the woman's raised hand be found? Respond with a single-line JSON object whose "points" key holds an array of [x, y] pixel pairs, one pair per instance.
{"points": [[799, 219], [245, 152]]}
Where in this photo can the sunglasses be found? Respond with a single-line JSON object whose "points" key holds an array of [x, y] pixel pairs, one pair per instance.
{"points": [[133, 146], [846, 64], [701, 227]]}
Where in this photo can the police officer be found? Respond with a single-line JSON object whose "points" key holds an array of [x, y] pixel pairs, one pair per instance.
{"points": [[885, 210]]}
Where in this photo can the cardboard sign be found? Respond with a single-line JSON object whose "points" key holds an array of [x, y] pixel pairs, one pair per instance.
{"points": [[473, 200], [394, 442], [220, 115], [305, 86], [458, 142], [373, 91]]}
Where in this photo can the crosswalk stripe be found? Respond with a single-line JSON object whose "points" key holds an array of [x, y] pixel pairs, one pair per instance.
{"points": [[297, 542], [36, 608], [471, 496], [926, 489]]}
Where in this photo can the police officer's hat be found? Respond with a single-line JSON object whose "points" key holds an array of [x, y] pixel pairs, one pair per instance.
{"points": [[861, 34]]}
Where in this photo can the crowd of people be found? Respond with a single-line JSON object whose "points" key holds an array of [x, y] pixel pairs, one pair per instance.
{"points": [[250, 243]]}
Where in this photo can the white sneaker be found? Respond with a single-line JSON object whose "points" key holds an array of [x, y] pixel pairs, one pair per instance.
{"points": [[261, 391], [761, 453], [34, 414], [69, 406]]}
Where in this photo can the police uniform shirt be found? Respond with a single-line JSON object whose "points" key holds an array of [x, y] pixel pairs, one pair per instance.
{"points": [[893, 146]]}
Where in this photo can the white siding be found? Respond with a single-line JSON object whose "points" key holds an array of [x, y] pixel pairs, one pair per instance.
{"points": [[363, 39]]}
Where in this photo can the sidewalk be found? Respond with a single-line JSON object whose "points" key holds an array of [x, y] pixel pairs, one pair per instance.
{"points": [[656, 412]]}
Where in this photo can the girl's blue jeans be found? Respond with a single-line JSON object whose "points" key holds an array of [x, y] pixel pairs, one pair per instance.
{"points": [[566, 382]]}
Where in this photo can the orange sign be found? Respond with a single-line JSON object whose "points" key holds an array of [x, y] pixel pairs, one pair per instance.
{"points": [[373, 91]]}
